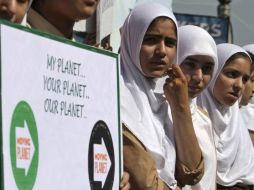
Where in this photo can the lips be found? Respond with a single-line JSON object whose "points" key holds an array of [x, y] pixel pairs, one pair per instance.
{"points": [[234, 94], [194, 88], [159, 62], [90, 2]]}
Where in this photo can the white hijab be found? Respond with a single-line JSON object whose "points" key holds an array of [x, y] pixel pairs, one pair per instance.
{"points": [[247, 112], [194, 40], [24, 21], [235, 154], [144, 112]]}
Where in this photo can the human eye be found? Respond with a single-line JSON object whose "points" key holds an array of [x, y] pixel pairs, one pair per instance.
{"points": [[246, 78], [189, 64], [150, 39], [207, 69], [232, 74], [170, 42]]}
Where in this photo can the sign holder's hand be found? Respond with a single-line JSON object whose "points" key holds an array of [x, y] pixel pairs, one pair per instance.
{"points": [[125, 185]]}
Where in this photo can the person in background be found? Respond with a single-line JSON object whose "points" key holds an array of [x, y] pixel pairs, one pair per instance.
{"points": [[235, 153], [197, 57], [14, 10], [157, 124], [58, 17], [247, 101]]}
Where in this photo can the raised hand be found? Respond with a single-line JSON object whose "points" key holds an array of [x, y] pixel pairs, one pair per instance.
{"points": [[176, 87]]}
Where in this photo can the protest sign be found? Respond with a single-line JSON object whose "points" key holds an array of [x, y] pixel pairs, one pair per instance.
{"points": [[60, 118]]}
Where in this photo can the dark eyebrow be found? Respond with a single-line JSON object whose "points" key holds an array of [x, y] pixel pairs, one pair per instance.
{"points": [[160, 36], [192, 59]]}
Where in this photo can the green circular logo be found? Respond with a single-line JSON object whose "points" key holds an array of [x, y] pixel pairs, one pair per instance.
{"points": [[24, 146]]}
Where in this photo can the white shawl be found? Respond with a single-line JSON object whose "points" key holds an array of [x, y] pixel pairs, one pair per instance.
{"points": [[235, 154], [247, 112], [144, 112], [194, 40]]}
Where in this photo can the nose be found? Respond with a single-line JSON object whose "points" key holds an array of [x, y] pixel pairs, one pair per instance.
{"points": [[8, 9], [197, 75], [161, 49], [238, 85]]}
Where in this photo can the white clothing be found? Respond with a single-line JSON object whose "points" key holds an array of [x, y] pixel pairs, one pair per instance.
{"points": [[194, 40], [204, 132], [235, 153], [247, 114], [144, 112]]}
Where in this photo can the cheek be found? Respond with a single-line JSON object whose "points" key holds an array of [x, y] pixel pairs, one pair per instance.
{"points": [[146, 51], [186, 71], [218, 90], [143, 58], [145, 54], [247, 89], [206, 79], [171, 54], [21, 11], [187, 75]]}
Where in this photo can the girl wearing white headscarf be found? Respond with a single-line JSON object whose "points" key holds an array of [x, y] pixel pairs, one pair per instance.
{"points": [[247, 107], [235, 154], [152, 148], [197, 56]]}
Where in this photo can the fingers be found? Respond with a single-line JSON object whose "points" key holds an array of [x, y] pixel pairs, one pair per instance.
{"points": [[125, 185], [177, 71]]}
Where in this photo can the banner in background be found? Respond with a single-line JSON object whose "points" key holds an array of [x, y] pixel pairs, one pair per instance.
{"points": [[60, 117], [217, 27], [111, 15]]}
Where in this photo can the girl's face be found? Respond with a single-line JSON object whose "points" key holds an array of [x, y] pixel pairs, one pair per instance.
{"points": [[198, 70], [231, 81], [73, 10], [158, 49], [13, 10], [248, 91]]}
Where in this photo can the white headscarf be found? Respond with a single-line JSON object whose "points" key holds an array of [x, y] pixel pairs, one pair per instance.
{"points": [[194, 40], [247, 112], [24, 21], [144, 112], [235, 154]]}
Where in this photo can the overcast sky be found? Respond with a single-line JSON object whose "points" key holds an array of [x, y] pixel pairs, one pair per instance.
{"points": [[243, 24]]}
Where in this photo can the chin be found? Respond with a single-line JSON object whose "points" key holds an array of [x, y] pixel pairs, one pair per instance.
{"points": [[157, 74], [87, 13], [192, 96], [228, 104], [243, 102]]}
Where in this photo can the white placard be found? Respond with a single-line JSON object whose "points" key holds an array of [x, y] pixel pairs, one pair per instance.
{"points": [[60, 114]]}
